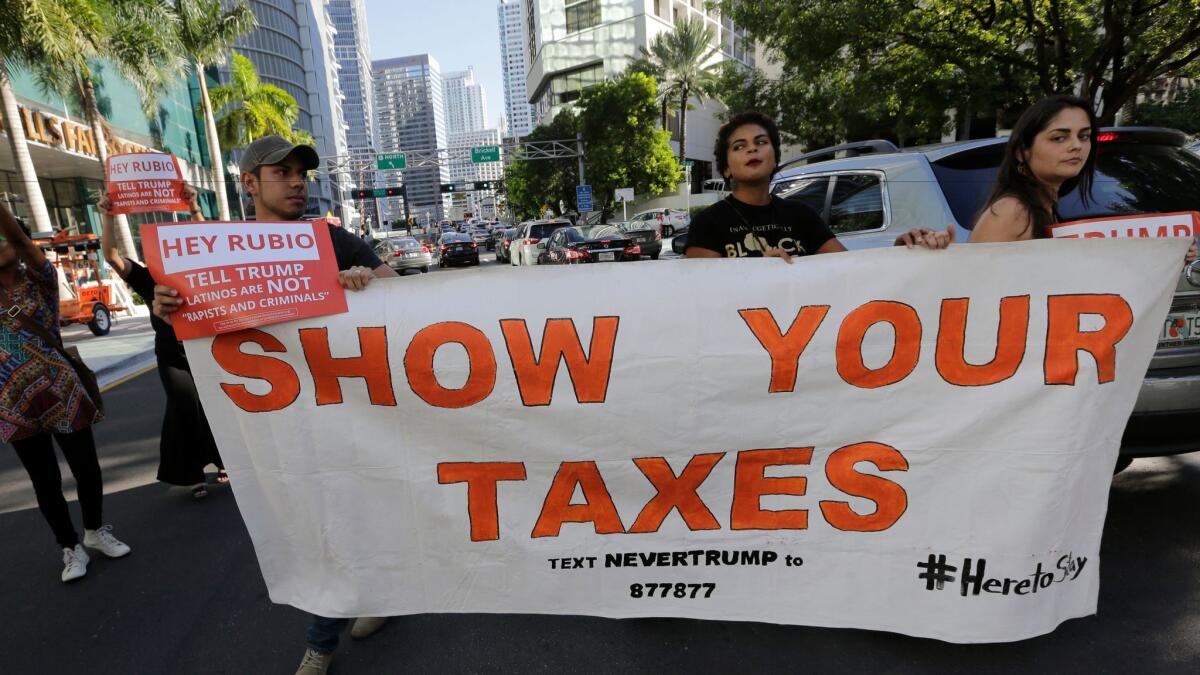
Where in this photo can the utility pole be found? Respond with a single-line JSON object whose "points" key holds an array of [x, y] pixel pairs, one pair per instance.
{"points": [[579, 149]]}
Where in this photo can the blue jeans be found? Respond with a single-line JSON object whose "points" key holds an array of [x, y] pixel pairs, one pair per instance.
{"points": [[323, 633]]}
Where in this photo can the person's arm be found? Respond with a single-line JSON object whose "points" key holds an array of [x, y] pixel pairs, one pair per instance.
{"points": [[701, 252], [833, 245], [193, 198], [108, 239], [1005, 220], [26, 250]]}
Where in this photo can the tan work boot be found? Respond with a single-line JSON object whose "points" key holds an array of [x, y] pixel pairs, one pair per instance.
{"points": [[314, 663], [366, 626]]}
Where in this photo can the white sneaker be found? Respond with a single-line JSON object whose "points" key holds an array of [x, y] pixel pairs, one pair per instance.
{"points": [[103, 541], [75, 561]]}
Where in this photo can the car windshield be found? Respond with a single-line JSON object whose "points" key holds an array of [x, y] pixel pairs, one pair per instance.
{"points": [[1130, 178], [405, 243]]}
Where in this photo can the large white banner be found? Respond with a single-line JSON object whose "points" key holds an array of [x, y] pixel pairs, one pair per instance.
{"points": [[902, 440]]}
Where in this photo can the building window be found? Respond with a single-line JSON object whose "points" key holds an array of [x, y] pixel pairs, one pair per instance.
{"points": [[582, 15]]}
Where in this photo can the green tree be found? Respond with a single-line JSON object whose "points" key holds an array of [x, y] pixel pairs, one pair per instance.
{"points": [[32, 31], [1183, 114], [134, 35], [625, 148], [678, 59], [904, 62], [249, 109], [205, 31], [534, 183]]}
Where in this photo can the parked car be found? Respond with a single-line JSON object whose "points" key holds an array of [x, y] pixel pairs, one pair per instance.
{"points": [[503, 241], [458, 249], [524, 250], [869, 199], [670, 221], [404, 253], [648, 237], [588, 244]]}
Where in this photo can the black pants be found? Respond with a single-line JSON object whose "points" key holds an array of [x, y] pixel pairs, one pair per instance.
{"points": [[37, 454]]}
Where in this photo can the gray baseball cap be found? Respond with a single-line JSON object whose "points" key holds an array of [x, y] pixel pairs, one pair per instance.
{"points": [[273, 150]]}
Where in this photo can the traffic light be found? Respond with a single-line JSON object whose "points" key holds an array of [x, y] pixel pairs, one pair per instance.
{"points": [[449, 187], [487, 185], [361, 194], [401, 191]]}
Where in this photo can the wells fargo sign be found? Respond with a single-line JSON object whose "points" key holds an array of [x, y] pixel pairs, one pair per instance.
{"points": [[58, 132]]}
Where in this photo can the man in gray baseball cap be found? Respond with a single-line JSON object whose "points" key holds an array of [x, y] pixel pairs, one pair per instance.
{"points": [[275, 175]]}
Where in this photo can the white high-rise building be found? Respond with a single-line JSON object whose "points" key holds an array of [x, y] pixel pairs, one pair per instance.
{"points": [[465, 100], [514, 63], [328, 115], [353, 51], [575, 44], [410, 112]]}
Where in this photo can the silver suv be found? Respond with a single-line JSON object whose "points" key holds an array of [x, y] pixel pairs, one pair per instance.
{"points": [[871, 192]]}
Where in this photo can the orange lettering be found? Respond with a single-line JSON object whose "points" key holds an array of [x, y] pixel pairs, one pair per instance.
{"points": [[891, 501], [481, 479], [589, 372], [750, 485], [676, 493], [371, 365], [285, 384], [905, 354], [598, 507], [1011, 337], [785, 348], [418, 364], [1064, 340]]}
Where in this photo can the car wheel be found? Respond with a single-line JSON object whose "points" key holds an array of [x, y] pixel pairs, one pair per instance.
{"points": [[654, 256], [101, 322], [425, 269]]}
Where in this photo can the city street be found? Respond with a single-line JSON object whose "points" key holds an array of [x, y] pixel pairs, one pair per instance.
{"points": [[190, 598]]}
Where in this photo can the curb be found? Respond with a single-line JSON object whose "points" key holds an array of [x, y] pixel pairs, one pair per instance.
{"points": [[113, 372]]}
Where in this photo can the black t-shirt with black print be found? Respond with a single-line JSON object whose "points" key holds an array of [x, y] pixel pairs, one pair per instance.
{"points": [[739, 230]]}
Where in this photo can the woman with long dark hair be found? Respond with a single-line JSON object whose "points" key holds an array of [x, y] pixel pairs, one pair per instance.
{"points": [[43, 400], [1049, 153]]}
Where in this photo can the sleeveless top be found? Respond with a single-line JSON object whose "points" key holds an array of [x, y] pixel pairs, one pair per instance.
{"points": [[39, 389]]}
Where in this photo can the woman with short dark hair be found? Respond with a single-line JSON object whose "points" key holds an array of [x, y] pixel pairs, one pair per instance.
{"points": [[42, 398], [751, 222]]}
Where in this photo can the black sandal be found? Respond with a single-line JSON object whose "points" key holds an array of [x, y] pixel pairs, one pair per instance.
{"points": [[199, 491], [222, 477]]}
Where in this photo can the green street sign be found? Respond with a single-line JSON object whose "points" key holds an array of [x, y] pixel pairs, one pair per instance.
{"points": [[380, 192], [391, 162], [485, 153], [687, 164]]}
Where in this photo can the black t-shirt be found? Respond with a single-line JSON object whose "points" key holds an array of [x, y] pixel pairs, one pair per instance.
{"points": [[739, 230], [347, 248]]}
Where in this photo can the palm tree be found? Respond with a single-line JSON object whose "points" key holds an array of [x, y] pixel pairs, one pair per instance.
{"points": [[31, 31], [206, 31], [255, 109], [134, 35], [681, 56]]}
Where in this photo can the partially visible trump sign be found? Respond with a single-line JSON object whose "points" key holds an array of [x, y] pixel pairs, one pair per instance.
{"points": [[143, 182], [241, 275], [1141, 226]]}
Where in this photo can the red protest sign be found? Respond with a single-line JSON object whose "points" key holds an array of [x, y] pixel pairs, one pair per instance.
{"points": [[1143, 226], [241, 275], [142, 182]]}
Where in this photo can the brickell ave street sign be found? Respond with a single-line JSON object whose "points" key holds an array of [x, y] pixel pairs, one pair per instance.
{"points": [[391, 162], [485, 153]]}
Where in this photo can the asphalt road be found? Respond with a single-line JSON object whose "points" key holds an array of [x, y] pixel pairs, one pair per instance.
{"points": [[190, 598]]}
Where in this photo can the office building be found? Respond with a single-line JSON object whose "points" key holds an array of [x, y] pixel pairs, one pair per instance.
{"points": [[410, 111], [575, 44], [465, 101], [514, 63], [353, 51], [464, 172]]}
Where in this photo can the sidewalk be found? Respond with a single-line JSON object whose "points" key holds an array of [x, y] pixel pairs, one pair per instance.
{"points": [[127, 349]]}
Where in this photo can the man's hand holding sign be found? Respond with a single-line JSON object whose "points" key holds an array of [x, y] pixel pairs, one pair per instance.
{"points": [[277, 268]]}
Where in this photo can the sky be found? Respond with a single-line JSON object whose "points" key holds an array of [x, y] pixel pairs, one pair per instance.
{"points": [[457, 33]]}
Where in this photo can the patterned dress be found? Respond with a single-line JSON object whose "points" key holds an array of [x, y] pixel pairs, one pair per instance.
{"points": [[39, 390]]}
